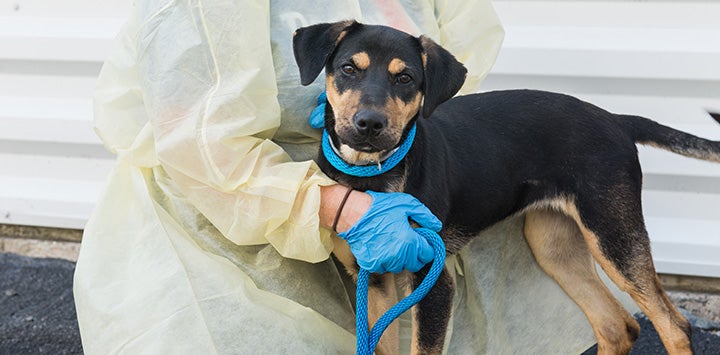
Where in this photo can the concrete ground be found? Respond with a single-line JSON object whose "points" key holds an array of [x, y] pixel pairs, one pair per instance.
{"points": [[37, 312]]}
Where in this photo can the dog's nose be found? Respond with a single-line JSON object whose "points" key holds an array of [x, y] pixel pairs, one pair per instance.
{"points": [[369, 123]]}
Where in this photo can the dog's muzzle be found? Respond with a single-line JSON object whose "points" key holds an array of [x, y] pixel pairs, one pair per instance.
{"points": [[369, 133]]}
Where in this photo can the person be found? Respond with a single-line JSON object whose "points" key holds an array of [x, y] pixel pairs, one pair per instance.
{"points": [[213, 234]]}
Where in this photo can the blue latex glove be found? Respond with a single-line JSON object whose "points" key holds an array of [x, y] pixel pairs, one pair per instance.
{"points": [[383, 240]]}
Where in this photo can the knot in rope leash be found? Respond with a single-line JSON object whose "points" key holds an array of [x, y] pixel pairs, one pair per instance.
{"points": [[366, 342]]}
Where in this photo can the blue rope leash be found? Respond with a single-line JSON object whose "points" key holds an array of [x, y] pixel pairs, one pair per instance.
{"points": [[366, 343], [367, 339]]}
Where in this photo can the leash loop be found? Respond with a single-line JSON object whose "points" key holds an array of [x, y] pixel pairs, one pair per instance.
{"points": [[367, 339], [366, 342]]}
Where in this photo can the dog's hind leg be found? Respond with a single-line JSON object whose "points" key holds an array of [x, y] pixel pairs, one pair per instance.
{"points": [[560, 250], [613, 227], [432, 314]]}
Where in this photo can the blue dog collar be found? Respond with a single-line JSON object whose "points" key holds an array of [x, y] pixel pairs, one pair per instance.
{"points": [[367, 170]]}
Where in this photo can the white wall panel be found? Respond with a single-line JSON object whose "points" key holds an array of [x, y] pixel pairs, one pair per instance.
{"points": [[657, 59], [52, 165]]}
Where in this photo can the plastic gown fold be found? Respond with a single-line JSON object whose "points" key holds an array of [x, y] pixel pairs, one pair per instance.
{"points": [[207, 239]]}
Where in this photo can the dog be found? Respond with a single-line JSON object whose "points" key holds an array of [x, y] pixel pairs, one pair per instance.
{"points": [[572, 168]]}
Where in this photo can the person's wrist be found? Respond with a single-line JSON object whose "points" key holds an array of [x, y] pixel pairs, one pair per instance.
{"points": [[357, 204]]}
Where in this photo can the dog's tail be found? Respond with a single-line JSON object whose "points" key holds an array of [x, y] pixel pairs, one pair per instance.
{"points": [[649, 132]]}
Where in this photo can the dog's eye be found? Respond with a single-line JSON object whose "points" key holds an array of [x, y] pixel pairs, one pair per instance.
{"points": [[403, 79], [348, 69]]}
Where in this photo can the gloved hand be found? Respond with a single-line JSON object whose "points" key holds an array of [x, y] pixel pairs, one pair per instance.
{"points": [[383, 240]]}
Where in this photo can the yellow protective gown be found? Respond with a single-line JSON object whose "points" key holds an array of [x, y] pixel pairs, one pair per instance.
{"points": [[206, 239]]}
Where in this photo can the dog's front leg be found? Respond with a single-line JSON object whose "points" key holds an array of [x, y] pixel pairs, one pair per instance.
{"points": [[431, 315], [382, 294]]}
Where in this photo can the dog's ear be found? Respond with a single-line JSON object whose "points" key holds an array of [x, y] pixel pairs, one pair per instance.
{"points": [[314, 44], [444, 75]]}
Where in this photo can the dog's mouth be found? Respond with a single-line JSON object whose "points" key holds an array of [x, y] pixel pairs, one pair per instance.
{"points": [[366, 147], [362, 151]]}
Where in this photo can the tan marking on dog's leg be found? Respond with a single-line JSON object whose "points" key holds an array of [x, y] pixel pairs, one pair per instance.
{"points": [[380, 299], [559, 248], [396, 66], [414, 344], [342, 252], [645, 290], [361, 60]]}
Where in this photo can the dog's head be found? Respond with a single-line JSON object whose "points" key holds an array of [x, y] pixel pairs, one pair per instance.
{"points": [[377, 80]]}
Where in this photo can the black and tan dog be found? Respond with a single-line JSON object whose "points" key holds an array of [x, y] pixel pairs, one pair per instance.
{"points": [[570, 166]]}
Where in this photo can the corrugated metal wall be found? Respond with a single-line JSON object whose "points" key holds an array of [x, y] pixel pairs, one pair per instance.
{"points": [[658, 59], [52, 164]]}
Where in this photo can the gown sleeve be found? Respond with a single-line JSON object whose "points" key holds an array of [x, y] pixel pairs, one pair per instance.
{"points": [[209, 87]]}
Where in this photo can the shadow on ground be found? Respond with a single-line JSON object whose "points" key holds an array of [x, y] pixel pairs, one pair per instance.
{"points": [[37, 312]]}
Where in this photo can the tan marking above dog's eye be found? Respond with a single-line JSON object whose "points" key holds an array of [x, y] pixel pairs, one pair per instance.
{"points": [[396, 66], [361, 60]]}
